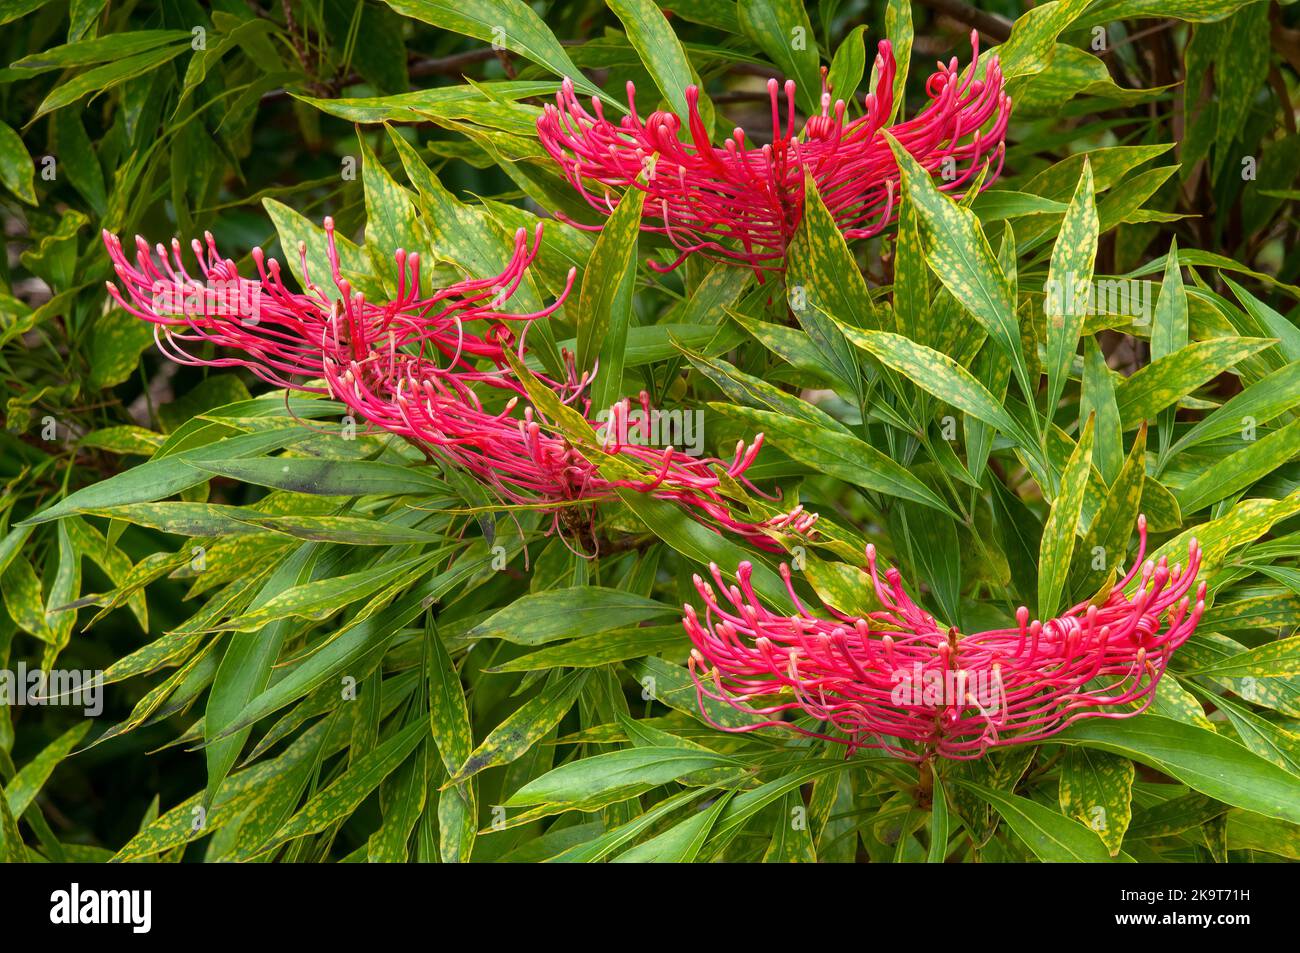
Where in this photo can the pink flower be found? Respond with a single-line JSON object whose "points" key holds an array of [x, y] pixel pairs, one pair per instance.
{"points": [[284, 336], [407, 366], [515, 451], [740, 203], [895, 681]]}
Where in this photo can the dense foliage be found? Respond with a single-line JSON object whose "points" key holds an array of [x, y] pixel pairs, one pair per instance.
{"points": [[324, 631]]}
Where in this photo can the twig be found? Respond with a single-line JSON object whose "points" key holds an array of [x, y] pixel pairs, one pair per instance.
{"points": [[999, 28]]}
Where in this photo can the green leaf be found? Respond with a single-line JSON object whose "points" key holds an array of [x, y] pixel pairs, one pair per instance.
{"points": [[345, 649], [525, 726], [1202, 759], [837, 454], [628, 772], [167, 475], [1069, 281], [938, 374], [940, 824], [543, 617], [681, 843], [329, 477], [391, 219], [848, 65], [1033, 37], [1193, 11], [101, 49], [655, 42], [448, 711], [1258, 404], [1057, 545], [962, 259], [64, 590], [791, 841], [17, 170], [106, 77], [1052, 837], [602, 648], [1165, 381], [510, 24], [1169, 325], [298, 233], [898, 28], [782, 30], [1097, 790], [1280, 659], [12, 849], [1239, 470], [23, 787], [23, 597], [319, 599], [1098, 398], [342, 797], [819, 261], [826, 289], [605, 298], [1113, 523], [245, 669]]}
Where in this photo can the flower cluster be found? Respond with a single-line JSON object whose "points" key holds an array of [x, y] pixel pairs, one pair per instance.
{"points": [[896, 681], [743, 204], [285, 336], [522, 458], [409, 366]]}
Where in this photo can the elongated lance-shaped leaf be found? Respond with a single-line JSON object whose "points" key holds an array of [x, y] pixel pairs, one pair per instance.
{"points": [[940, 823], [1169, 334], [1098, 398], [655, 42], [1069, 284], [453, 735], [1096, 789], [1257, 404], [245, 668], [526, 726], [1241, 469], [27, 783], [1204, 760], [342, 797], [961, 257], [1174, 376], [1062, 524], [840, 455], [605, 298], [938, 374], [898, 27], [825, 288], [1052, 837], [1103, 548], [509, 24], [782, 30]]}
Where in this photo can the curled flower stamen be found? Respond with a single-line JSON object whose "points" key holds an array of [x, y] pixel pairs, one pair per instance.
{"points": [[740, 204], [893, 681], [410, 367]]}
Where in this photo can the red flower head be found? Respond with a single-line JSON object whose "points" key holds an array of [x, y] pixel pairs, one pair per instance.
{"points": [[895, 681], [740, 203], [284, 336], [405, 366], [515, 451]]}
